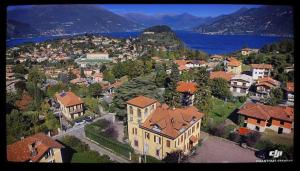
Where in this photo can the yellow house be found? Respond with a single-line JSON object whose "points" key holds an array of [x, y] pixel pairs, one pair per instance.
{"points": [[233, 65], [71, 105], [35, 148], [156, 130]]}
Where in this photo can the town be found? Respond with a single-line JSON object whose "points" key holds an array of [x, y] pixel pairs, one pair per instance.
{"points": [[147, 99]]}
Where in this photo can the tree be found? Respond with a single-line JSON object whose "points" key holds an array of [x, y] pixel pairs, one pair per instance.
{"points": [[171, 96], [252, 138], [276, 96], [102, 68], [174, 157], [36, 76], [220, 88], [20, 86], [20, 69], [51, 122], [82, 75], [95, 90], [108, 76]]}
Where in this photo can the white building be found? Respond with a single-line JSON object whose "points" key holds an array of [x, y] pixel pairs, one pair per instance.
{"points": [[240, 84], [248, 51], [100, 56], [260, 70]]}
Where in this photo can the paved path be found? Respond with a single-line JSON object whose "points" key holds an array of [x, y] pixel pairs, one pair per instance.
{"points": [[217, 150], [78, 131]]}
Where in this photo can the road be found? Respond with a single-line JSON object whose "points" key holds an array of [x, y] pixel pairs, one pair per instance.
{"points": [[78, 131]]}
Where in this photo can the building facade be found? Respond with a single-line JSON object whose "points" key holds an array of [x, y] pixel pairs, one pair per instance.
{"points": [[233, 65], [260, 70], [290, 92], [259, 117], [187, 90], [71, 105], [240, 84], [265, 85], [35, 148], [157, 130]]}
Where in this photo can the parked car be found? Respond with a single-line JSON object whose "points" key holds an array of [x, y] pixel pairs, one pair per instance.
{"points": [[88, 119], [80, 122], [263, 154]]}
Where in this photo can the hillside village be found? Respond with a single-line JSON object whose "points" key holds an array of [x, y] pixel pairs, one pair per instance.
{"points": [[144, 101]]}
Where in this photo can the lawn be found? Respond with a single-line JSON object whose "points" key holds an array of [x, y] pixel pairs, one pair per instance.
{"points": [[284, 139], [89, 157], [221, 110], [245, 67]]}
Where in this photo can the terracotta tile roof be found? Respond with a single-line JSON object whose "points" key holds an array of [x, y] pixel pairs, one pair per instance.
{"points": [[20, 152], [290, 86], [265, 112], [68, 98], [117, 84], [221, 74], [78, 80], [261, 66], [190, 87], [244, 131], [171, 122], [268, 81], [141, 101], [233, 62], [181, 64]]}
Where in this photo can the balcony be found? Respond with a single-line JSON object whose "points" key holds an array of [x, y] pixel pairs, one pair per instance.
{"points": [[239, 86], [76, 111]]}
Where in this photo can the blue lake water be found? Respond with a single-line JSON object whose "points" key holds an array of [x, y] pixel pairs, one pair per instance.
{"points": [[212, 44]]}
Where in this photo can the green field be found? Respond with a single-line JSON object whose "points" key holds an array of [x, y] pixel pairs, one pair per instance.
{"points": [[274, 137], [89, 157]]}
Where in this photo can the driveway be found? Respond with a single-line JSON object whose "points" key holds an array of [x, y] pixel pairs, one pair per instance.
{"points": [[217, 150]]}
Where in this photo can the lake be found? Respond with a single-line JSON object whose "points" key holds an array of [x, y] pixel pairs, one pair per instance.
{"points": [[212, 44]]}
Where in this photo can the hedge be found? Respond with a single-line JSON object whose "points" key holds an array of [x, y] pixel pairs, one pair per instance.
{"points": [[114, 145]]}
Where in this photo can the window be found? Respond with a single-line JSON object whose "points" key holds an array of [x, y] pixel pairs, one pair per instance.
{"points": [[159, 139], [147, 135], [130, 109], [146, 112], [193, 129], [181, 138], [281, 123], [258, 121], [154, 138], [184, 135], [198, 124], [139, 113], [152, 107], [178, 141], [244, 84], [257, 128], [135, 131], [168, 143], [157, 152], [132, 130], [131, 118], [136, 143], [234, 83]]}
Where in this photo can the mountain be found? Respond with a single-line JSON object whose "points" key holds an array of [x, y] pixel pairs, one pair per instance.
{"points": [[184, 21], [265, 20], [160, 35], [69, 19], [19, 29]]}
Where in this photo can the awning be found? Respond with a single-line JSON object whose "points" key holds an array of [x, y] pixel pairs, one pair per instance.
{"points": [[193, 139]]}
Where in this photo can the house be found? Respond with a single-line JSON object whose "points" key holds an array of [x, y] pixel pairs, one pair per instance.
{"points": [[233, 65], [240, 84], [71, 105], [290, 91], [264, 86], [110, 88], [248, 51], [258, 117], [216, 58], [98, 77], [10, 76], [36, 148], [98, 56], [157, 130], [187, 90], [221, 74], [189, 64], [260, 70], [79, 81]]}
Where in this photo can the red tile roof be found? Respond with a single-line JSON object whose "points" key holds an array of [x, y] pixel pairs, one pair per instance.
{"points": [[268, 81], [265, 112], [68, 99], [244, 131], [261, 66], [181, 64], [172, 121], [19, 151], [190, 87], [221, 74], [141, 101], [233, 62], [290, 86]]}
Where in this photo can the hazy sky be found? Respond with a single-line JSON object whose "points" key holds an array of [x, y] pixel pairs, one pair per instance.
{"points": [[151, 9]]}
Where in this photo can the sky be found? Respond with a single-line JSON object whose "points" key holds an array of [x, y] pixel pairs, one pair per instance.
{"points": [[204, 10]]}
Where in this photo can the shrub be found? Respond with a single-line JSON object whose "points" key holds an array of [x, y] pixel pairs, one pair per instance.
{"points": [[75, 143], [228, 130], [111, 132], [252, 138], [234, 137], [103, 123], [263, 144], [242, 99], [173, 157]]}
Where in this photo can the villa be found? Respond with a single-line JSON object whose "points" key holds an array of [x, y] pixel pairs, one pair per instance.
{"points": [[260, 70], [187, 90], [233, 65], [157, 130], [240, 84]]}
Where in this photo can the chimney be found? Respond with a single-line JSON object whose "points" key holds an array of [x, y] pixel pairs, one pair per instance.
{"points": [[32, 149], [22, 138]]}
